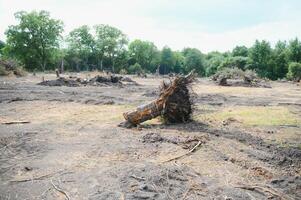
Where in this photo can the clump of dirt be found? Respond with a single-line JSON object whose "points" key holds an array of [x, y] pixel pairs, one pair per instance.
{"points": [[187, 142], [61, 82], [239, 78], [95, 81], [128, 80], [229, 121]]}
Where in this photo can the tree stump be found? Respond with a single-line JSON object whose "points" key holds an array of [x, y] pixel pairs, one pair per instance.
{"points": [[174, 104]]}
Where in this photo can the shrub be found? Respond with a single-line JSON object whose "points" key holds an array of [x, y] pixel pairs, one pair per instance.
{"points": [[135, 69], [3, 71], [9, 66], [294, 71], [231, 73], [123, 71]]}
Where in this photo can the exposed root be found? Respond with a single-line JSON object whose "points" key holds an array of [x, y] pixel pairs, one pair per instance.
{"points": [[60, 190]]}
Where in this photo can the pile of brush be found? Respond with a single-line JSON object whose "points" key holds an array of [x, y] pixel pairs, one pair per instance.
{"points": [[10, 66], [174, 104]]}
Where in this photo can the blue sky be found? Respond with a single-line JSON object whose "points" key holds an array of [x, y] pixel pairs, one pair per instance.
{"points": [[205, 24]]}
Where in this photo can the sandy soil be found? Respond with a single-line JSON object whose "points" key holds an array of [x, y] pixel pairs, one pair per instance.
{"points": [[72, 148]]}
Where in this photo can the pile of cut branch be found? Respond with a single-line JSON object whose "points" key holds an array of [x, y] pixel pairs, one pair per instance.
{"points": [[174, 104]]}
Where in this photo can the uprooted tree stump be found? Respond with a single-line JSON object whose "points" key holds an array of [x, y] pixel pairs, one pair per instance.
{"points": [[174, 104]]}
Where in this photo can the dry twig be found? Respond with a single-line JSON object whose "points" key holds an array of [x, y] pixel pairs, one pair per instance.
{"points": [[35, 178], [60, 190], [15, 122], [185, 154], [264, 189]]}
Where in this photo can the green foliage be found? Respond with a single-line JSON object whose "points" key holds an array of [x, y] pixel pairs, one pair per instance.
{"points": [[167, 61], [234, 62], [193, 60], [135, 69], [229, 73], [110, 42], [2, 45], [11, 66], [81, 45], [179, 62], [212, 62], [35, 42], [34, 39], [279, 61], [145, 53], [240, 51], [294, 71], [260, 55], [294, 50]]}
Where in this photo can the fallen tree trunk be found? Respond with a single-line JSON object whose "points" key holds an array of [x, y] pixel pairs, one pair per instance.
{"points": [[174, 104]]}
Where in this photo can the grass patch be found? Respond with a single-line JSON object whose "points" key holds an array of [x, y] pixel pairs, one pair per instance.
{"points": [[255, 115]]}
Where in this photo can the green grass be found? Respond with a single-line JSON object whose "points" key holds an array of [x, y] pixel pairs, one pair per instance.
{"points": [[256, 115]]}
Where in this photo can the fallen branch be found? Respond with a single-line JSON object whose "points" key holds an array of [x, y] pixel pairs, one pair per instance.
{"points": [[259, 188], [185, 154], [35, 178], [15, 122], [138, 178], [60, 190]]}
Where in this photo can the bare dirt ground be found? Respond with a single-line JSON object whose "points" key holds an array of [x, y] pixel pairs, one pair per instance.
{"points": [[72, 148]]}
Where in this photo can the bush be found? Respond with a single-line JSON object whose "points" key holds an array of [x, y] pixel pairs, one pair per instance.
{"points": [[294, 71], [235, 73], [3, 71], [123, 72], [234, 62], [9, 66], [228, 73], [135, 69]]}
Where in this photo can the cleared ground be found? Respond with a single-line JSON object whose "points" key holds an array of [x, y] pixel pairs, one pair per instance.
{"points": [[71, 146]]}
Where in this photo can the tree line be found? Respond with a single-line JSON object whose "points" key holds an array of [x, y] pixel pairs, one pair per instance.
{"points": [[37, 42]]}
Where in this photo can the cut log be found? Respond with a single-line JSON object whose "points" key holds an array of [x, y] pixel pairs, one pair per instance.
{"points": [[174, 104]]}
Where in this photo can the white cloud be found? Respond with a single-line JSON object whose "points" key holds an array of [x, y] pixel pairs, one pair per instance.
{"points": [[130, 17]]}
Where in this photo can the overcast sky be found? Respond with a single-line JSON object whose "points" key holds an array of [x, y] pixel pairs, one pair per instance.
{"points": [[205, 24]]}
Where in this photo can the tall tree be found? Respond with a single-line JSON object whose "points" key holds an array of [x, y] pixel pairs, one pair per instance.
{"points": [[81, 44], [35, 39], [193, 60], [179, 62], [144, 53], [110, 42], [2, 45], [240, 51], [212, 61], [294, 50], [260, 55], [279, 60], [167, 61]]}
